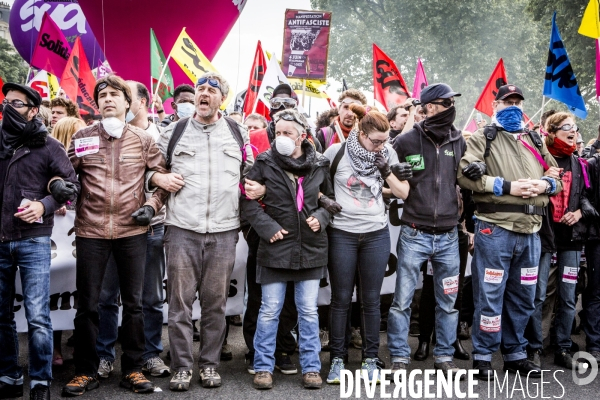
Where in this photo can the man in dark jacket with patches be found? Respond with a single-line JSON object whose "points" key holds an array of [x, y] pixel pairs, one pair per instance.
{"points": [[434, 147], [36, 177]]}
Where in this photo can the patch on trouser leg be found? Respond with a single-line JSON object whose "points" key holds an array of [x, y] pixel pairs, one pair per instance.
{"points": [[493, 275], [570, 275], [490, 324], [529, 276], [450, 285]]}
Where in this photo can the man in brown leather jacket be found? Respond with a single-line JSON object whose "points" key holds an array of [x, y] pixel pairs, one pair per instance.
{"points": [[112, 159]]}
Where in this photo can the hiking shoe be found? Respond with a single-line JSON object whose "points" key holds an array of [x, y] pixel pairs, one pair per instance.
{"points": [[236, 320], [448, 366], [79, 384], [105, 368], [210, 378], [534, 357], [137, 383], [40, 392], [371, 365], [263, 380], [157, 367], [284, 363], [565, 359], [226, 354], [356, 339], [180, 382], [337, 365], [324, 337], [312, 380]]}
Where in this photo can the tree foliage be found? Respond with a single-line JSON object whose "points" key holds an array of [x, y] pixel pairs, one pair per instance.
{"points": [[12, 66]]}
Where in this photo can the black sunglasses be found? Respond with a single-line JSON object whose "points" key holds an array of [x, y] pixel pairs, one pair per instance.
{"points": [[446, 103]]}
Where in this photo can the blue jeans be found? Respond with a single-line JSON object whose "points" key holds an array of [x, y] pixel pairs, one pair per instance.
{"points": [[505, 269], [591, 297], [32, 256], [414, 248], [367, 253], [273, 295], [534, 332], [152, 300]]}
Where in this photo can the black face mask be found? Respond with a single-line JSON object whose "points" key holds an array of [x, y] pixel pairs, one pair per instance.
{"points": [[439, 125], [12, 121], [16, 130]]}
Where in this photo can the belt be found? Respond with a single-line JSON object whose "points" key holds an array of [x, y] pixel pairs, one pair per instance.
{"points": [[489, 208]]}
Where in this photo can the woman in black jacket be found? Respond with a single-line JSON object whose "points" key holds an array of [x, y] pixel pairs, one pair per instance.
{"points": [[293, 245]]}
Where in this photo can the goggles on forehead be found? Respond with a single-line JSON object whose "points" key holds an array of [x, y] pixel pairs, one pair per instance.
{"points": [[349, 101], [278, 102], [289, 117], [212, 82]]}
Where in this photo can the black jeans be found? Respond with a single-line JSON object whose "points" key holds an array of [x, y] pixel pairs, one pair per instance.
{"points": [[286, 343], [92, 257]]}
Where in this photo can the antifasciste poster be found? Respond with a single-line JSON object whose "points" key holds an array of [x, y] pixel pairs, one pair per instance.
{"points": [[305, 44]]}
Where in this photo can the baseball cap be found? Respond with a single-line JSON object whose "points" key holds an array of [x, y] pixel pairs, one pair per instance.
{"points": [[32, 95], [437, 91], [509, 90]]}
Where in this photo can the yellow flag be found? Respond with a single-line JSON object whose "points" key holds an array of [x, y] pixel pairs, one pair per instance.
{"points": [[311, 89], [192, 61], [53, 86], [590, 23]]}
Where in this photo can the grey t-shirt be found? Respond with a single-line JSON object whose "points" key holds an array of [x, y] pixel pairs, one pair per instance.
{"points": [[361, 212]]}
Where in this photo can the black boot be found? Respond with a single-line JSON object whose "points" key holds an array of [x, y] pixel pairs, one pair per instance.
{"points": [[460, 352], [486, 372], [524, 367], [463, 331], [422, 351], [8, 391]]}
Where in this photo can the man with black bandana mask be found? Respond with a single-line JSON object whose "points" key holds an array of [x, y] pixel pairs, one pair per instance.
{"points": [[429, 226], [31, 165]]}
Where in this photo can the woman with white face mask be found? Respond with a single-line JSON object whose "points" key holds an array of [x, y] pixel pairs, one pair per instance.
{"points": [[293, 242]]}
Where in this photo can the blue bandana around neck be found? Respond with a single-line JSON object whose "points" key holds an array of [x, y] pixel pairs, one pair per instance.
{"points": [[510, 118]]}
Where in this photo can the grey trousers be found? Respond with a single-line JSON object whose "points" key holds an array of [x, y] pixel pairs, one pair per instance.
{"points": [[198, 263]]}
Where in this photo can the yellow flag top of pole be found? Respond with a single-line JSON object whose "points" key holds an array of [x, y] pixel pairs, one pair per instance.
{"points": [[192, 61], [53, 86], [590, 23]]}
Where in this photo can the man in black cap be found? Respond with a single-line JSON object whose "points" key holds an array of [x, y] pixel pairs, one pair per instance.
{"points": [[429, 226], [511, 174], [32, 165]]}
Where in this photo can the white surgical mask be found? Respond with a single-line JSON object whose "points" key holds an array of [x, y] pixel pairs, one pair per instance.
{"points": [[185, 110], [113, 126], [131, 116], [285, 146]]}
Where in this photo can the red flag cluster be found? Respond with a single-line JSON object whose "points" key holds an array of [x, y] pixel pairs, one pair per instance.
{"points": [[77, 80], [498, 78], [388, 85]]}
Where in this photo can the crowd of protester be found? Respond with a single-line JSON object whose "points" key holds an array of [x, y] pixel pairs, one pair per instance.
{"points": [[155, 200]]}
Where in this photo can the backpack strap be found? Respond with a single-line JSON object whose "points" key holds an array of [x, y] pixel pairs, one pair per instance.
{"points": [[336, 161], [535, 138], [490, 132], [175, 136], [237, 135]]}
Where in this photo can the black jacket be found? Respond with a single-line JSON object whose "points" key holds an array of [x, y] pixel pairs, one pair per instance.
{"points": [[301, 248], [593, 195], [432, 200], [26, 177]]}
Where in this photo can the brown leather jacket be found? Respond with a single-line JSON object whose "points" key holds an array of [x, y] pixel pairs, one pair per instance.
{"points": [[112, 181]]}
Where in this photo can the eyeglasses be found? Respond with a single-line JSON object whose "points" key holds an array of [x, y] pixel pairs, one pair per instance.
{"points": [[286, 116], [517, 103], [16, 104], [212, 82], [278, 102], [445, 102], [378, 142], [566, 127]]}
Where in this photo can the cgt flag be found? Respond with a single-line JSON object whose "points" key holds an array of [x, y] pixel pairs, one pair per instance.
{"points": [[388, 85], [498, 78], [78, 81], [157, 63], [420, 80], [560, 83], [39, 83], [51, 51], [259, 68], [590, 23]]}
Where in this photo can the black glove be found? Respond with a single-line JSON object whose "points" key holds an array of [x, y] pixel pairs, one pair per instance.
{"points": [[402, 171], [588, 212], [63, 191], [331, 206], [475, 170], [143, 215], [382, 165]]}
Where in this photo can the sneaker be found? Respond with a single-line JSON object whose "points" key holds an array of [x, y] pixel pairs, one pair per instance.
{"points": [[263, 380], [448, 366], [250, 363], [356, 339], [210, 378], [8, 391], [397, 366], [324, 337], [180, 382], [284, 363], [370, 365], [79, 385], [236, 320], [137, 383], [337, 365], [39, 392], [157, 367], [312, 380], [565, 359], [226, 354], [105, 368], [535, 357]]}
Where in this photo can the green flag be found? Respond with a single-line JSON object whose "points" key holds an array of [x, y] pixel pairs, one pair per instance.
{"points": [[157, 63]]}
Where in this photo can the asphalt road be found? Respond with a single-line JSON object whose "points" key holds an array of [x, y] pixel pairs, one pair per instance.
{"points": [[237, 383]]}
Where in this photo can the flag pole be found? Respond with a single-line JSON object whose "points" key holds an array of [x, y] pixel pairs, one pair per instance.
{"points": [[162, 73], [303, 89], [469, 119], [543, 105], [533, 116]]}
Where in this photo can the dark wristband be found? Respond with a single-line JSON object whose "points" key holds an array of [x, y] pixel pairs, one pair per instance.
{"points": [[160, 111], [506, 187]]}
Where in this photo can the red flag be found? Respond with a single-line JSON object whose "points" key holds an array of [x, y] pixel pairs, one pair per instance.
{"points": [[388, 85], [263, 110], [331, 102], [498, 78], [51, 50], [78, 81], [259, 67], [527, 121]]}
